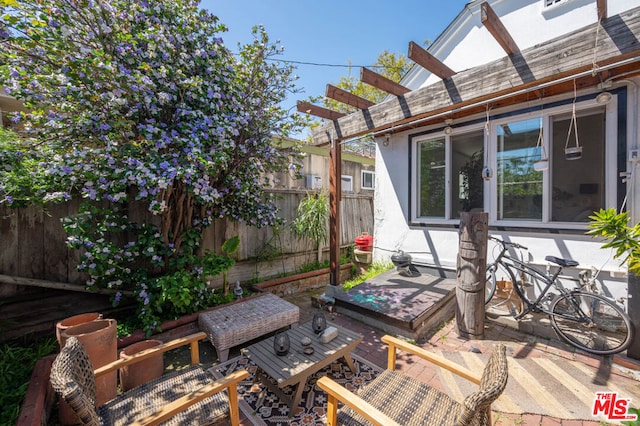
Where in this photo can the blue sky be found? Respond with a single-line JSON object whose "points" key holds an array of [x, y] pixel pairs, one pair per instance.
{"points": [[334, 32]]}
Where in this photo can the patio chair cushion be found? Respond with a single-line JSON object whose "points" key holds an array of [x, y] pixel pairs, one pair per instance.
{"points": [[409, 401], [72, 377], [404, 399], [151, 396]]}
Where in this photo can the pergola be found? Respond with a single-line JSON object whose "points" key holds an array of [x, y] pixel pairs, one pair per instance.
{"points": [[597, 53]]}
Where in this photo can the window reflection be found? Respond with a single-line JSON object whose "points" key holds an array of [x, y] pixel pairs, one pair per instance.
{"points": [[519, 184]]}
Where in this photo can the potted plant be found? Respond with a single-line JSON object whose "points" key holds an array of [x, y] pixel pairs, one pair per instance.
{"points": [[624, 239]]}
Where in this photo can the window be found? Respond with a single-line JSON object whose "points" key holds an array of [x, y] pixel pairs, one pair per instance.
{"points": [[467, 162], [569, 189], [347, 183], [368, 179], [561, 192], [431, 183], [449, 175], [548, 3], [519, 184], [577, 189]]}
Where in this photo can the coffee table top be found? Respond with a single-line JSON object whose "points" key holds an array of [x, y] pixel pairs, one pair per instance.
{"points": [[290, 368]]}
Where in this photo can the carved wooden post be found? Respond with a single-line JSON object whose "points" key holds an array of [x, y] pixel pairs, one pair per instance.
{"points": [[472, 263]]}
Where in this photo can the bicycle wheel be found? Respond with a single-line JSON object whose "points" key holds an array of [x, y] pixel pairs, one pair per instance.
{"points": [[592, 323], [490, 283], [501, 298]]}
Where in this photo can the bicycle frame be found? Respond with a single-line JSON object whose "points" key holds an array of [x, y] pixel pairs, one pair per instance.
{"points": [[509, 262]]}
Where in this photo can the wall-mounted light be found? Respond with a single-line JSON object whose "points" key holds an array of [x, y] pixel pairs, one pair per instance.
{"points": [[448, 130], [385, 141], [603, 98]]}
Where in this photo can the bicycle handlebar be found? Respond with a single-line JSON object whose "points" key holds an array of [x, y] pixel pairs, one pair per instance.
{"points": [[508, 243]]}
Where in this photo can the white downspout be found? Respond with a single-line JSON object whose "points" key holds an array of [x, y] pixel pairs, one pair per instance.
{"points": [[633, 134]]}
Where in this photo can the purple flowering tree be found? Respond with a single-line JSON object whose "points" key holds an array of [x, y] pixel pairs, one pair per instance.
{"points": [[140, 102]]}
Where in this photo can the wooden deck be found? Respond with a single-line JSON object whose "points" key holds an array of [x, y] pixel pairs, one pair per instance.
{"points": [[32, 317], [408, 306]]}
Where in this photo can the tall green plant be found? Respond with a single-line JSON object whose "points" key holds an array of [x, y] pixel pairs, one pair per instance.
{"points": [[312, 219], [624, 239]]}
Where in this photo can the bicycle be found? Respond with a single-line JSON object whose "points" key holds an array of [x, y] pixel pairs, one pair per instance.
{"points": [[579, 316]]}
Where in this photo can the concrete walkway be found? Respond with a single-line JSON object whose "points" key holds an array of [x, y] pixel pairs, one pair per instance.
{"points": [[619, 375]]}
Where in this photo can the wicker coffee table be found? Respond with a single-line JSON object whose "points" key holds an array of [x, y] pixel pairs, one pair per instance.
{"points": [[295, 368]]}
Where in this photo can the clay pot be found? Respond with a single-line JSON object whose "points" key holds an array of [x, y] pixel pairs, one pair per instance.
{"points": [[142, 371], [99, 339], [74, 320]]}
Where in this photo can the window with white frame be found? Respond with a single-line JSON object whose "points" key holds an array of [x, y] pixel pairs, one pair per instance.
{"points": [[536, 178], [368, 179], [568, 187], [347, 183], [449, 175]]}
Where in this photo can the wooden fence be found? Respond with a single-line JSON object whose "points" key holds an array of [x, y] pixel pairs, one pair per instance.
{"points": [[32, 241]]}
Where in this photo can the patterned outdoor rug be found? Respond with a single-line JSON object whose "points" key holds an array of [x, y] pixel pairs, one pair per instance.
{"points": [[263, 407]]}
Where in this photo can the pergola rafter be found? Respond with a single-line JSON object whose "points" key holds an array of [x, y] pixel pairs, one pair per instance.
{"points": [[381, 82], [602, 9], [318, 111], [429, 62], [492, 22], [345, 97], [506, 79]]}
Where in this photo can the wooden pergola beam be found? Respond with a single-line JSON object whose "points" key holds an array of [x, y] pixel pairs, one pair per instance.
{"points": [[381, 82], [493, 23], [321, 112], [602, 9], [618, 44], [429, 62], [345, 97]]}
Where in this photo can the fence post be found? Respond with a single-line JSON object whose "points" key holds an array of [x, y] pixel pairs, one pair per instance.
{"points": [[470, 275]]}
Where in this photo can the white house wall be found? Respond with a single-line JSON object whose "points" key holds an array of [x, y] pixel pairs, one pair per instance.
{"points": [[437, 245]]}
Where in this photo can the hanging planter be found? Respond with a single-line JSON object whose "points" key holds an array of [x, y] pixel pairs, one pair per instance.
{"points": [[543, 162], [573, 152]]}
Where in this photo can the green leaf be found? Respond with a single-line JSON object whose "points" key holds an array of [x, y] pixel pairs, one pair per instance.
{"points": [[231, 245]]}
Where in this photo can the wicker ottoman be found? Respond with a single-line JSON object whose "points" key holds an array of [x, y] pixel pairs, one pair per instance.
{"points": [[243, 321]]}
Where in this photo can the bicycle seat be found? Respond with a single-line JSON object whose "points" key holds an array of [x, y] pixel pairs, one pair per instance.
{"points": [[562, 262]]}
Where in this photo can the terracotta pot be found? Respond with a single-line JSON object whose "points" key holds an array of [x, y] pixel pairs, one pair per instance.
{"points": [[99, 339], [74, 320], [142, 371]]}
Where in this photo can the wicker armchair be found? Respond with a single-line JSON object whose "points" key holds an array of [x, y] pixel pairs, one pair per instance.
{"points": [[396, 399], [188, 396]]}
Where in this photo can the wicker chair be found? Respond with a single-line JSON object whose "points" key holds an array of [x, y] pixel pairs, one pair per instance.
{"points": [[396, 399], [188, 396]]}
